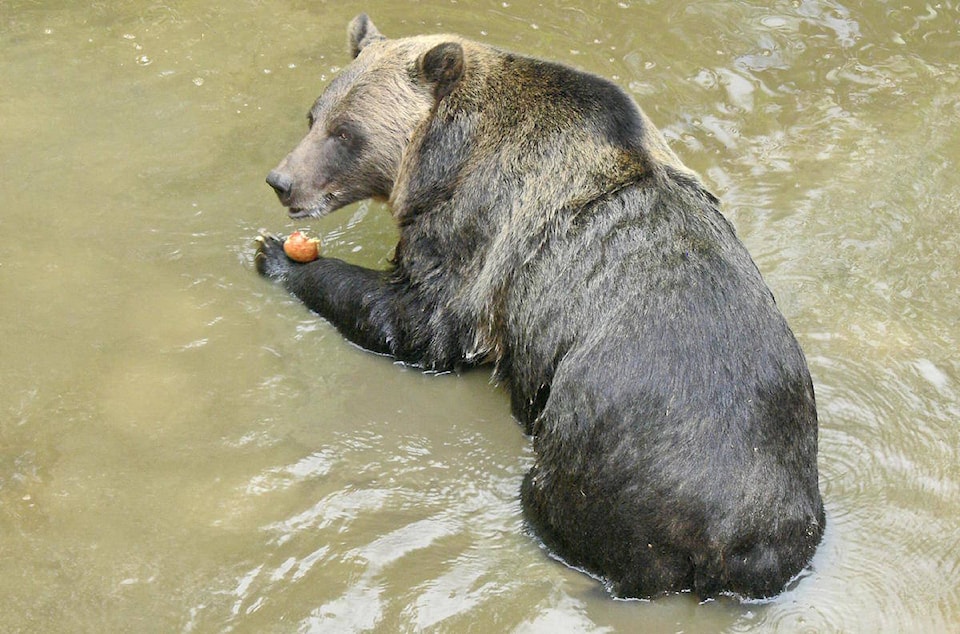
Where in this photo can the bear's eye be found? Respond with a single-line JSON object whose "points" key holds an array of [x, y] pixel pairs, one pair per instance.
{"points": [[309, 120]]}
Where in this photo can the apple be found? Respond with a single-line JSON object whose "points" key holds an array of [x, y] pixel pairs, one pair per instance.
{"points": [[300, 248]]}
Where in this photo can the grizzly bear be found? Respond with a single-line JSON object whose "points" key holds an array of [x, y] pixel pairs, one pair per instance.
{"points": [[547, 228]]}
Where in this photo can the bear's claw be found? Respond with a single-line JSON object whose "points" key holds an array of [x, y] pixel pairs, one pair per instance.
{"points": [[270, 259]]}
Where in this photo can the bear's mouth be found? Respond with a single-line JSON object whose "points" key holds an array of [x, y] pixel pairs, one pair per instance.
{"points": [[326, 204], [300, 212], [316, 211]]}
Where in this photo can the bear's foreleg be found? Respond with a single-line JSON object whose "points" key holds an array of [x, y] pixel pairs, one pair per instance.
{"points": [[365, 305]]}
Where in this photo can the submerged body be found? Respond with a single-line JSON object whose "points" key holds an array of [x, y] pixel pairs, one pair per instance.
{"points": [[546, 227]]}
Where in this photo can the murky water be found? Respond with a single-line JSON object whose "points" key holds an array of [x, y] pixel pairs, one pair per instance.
{"points": [[184, 448]]}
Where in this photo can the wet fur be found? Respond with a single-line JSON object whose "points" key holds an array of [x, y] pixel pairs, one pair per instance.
{"points": [[546, 227]]}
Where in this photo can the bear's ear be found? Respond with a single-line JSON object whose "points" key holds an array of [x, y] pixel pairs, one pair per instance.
{"points": [[361, 32], [442, 66]]}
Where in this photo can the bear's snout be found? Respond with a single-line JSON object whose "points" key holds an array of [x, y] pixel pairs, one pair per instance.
{"points": [[281, 183]]}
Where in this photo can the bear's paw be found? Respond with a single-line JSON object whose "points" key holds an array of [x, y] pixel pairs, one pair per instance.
{"points": [[270, 260]]}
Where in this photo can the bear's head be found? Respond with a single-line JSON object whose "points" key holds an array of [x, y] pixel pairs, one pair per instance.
{"points": [[364, 120]]}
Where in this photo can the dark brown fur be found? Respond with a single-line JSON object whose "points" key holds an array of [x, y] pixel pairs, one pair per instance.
{"points": [[546, 227]]}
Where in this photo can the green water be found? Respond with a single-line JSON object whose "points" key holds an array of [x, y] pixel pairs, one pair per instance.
{"points": [[183, 448]]}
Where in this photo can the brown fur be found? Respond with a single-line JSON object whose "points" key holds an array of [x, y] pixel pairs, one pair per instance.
{"points": [[546, 226]]}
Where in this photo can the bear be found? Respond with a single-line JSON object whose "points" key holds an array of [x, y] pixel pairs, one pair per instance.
{"points": [[547, 229]]}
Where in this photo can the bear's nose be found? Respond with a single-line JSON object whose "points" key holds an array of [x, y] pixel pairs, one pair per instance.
{"points": [[281, 183]]}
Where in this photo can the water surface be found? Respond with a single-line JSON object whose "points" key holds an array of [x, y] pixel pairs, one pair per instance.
{"points": [[184, 448]]}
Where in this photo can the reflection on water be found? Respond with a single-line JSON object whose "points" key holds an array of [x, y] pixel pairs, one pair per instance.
{"points": [[183, 448]]}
